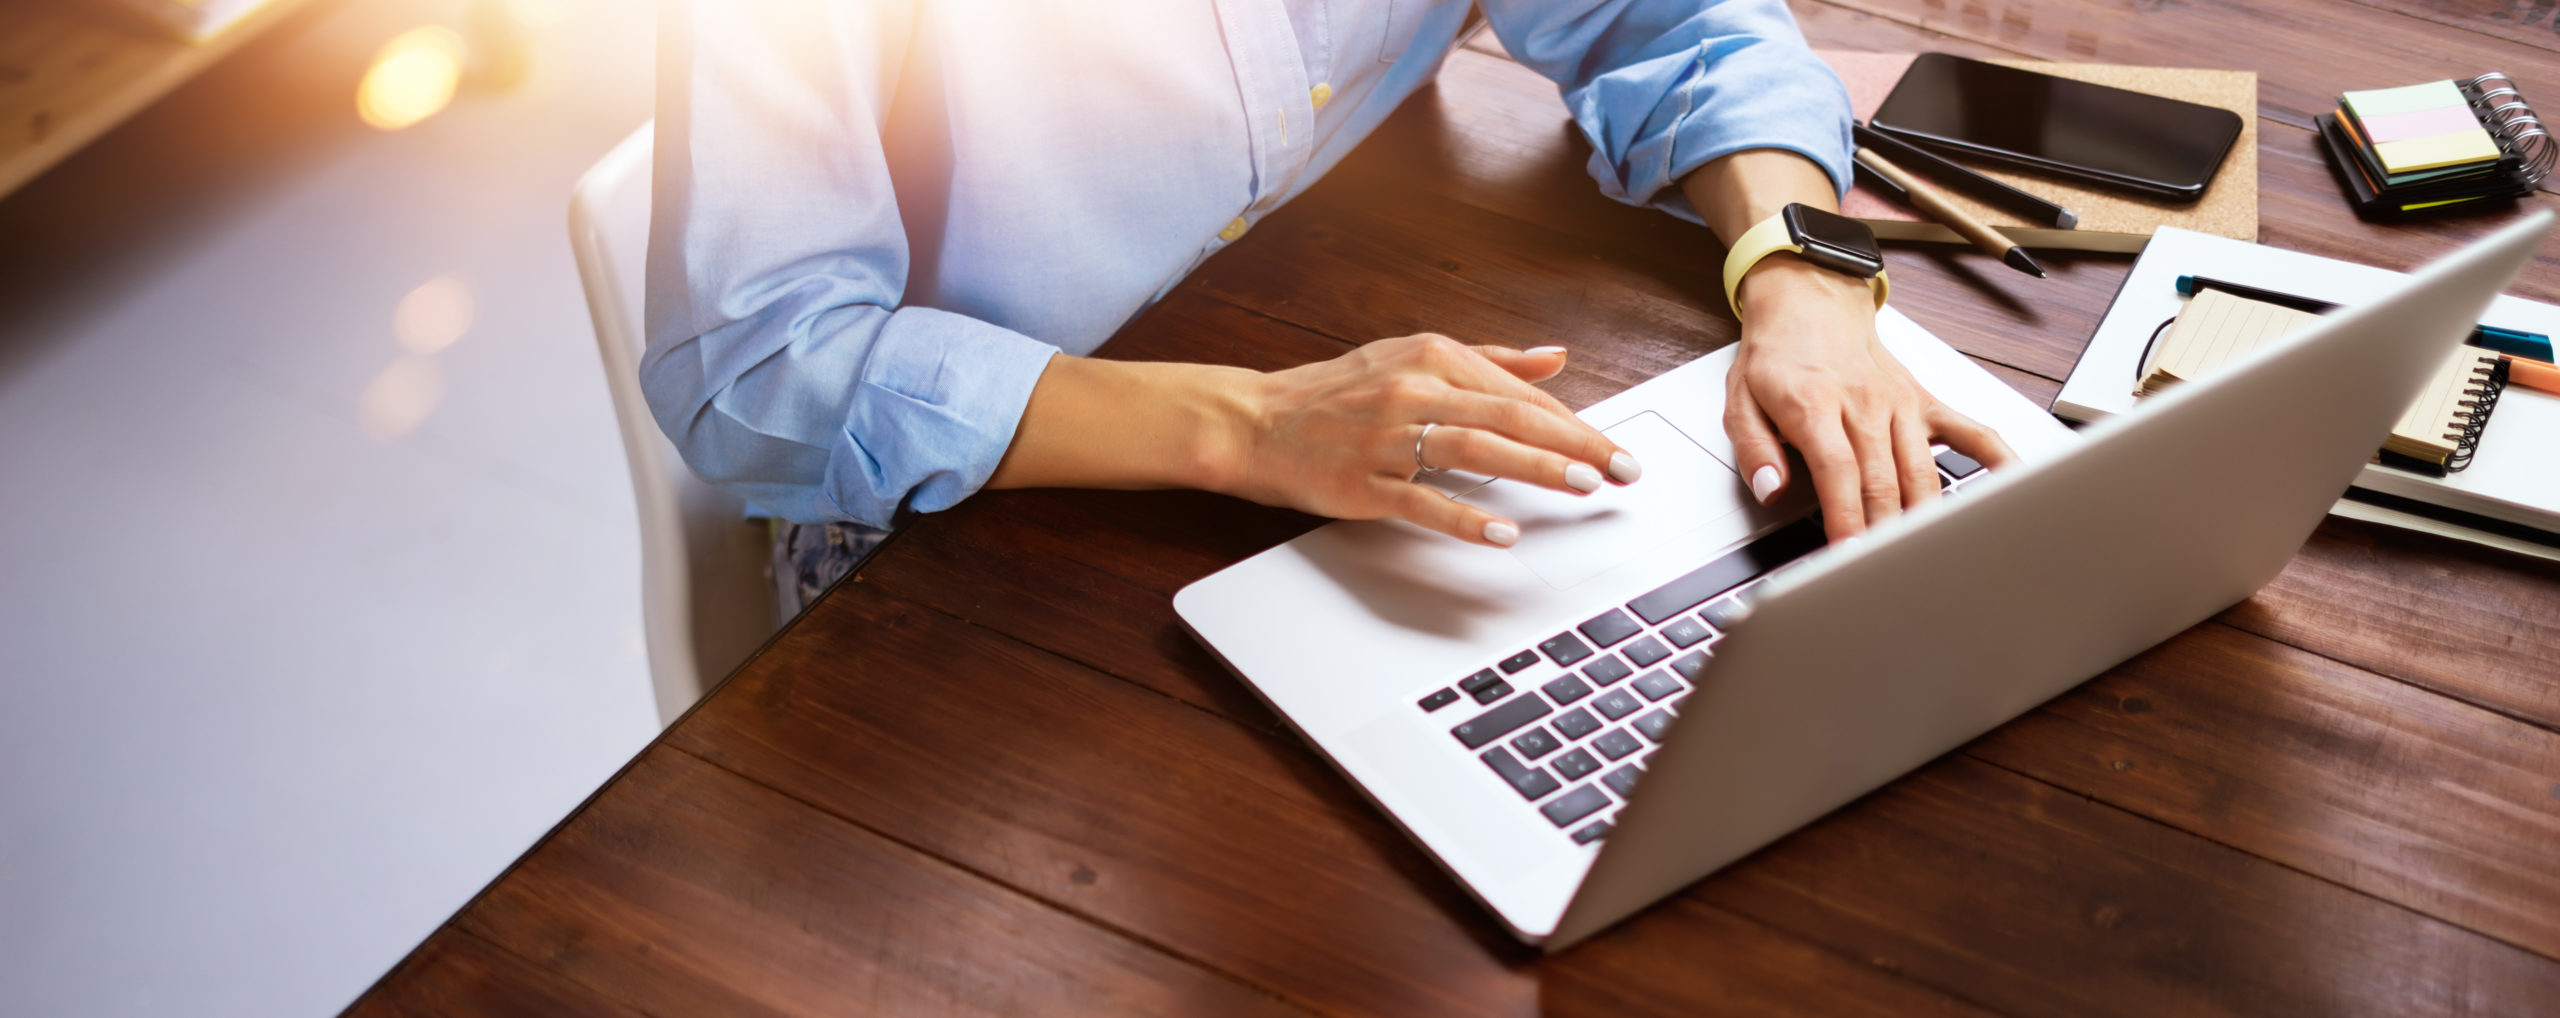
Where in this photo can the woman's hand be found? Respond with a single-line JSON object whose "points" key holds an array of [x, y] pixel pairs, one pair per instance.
{"points": [[1813, 373], [1338, 438], [1335, 438]]}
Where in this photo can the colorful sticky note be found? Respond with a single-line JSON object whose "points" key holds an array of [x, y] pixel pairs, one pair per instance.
{"points": [[2472, 146], [2420, 123], [2383, 102]]}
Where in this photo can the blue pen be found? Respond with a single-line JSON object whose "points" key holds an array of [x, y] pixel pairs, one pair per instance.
{"points": [[2512, 342]]}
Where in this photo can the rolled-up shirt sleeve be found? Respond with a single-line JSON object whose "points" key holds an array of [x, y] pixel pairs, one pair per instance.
{"points": [[1661, 87], [780, 360]]}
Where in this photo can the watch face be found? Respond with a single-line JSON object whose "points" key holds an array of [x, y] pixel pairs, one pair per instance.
{"points": [[1835, 241]]}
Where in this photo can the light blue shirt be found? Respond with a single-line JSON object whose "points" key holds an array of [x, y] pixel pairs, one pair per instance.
{"points": [[876, 220]]}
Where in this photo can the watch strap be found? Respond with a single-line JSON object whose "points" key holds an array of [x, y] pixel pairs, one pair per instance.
{"points": [[1767, 237]]}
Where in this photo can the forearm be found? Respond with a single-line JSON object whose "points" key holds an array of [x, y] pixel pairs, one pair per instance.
{"points": [[1130, 425], [1737, 191]]}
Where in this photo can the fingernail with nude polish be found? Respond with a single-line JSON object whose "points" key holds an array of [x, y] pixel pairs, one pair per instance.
{"points": [[1580, 477], [1544, 349], [1501, 533], [1625, 468], [1764, 483]]}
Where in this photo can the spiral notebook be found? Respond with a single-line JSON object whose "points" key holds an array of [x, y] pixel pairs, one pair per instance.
{"points": [[2440, 432], [2507, 497], [2435, 147]]}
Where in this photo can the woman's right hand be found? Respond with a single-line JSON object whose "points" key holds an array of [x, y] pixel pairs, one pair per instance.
{"points": [[1338, 438]]}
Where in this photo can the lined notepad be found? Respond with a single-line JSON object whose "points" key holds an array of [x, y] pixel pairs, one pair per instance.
{"points": [[2441, 429]]}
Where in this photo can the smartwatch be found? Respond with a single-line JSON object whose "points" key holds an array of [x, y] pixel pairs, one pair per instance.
{"points": [[1827, 239]]}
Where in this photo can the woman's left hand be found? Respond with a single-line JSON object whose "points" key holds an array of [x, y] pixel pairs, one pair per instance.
{"points": [[1813, 374]]}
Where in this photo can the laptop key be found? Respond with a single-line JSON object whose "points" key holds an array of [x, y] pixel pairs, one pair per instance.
{"points": [[1655, 724], [1532, 783], [1622, 780], [1691, 665], [1646, 651], [1615, 744], [1478, 681], [1607, 670], [1576, 723], [1777, 548], [1537, 742], [1500, 721], [1440, 699], [1725, 614], [1565, 649], [1609, 628], [1592, 833], [1686, 632], [1959, 464], [1575, 805], [1512, 665], [1574, 764], [1493, 692], [1617, 703], [1566, 690], [1656, 685]]}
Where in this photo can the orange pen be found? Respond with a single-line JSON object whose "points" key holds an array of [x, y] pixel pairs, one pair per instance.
{"points": [[2532, 374]]}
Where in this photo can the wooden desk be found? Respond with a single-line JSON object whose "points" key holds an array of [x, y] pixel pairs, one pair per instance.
{"points": [[71, 70], [991, 774]]}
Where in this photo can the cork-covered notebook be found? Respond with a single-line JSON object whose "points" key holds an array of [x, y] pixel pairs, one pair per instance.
{"points": [[2109, 220]]}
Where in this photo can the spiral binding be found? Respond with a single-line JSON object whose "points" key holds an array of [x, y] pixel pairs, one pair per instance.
{"points": [[2503, 111], [2474, 415]]}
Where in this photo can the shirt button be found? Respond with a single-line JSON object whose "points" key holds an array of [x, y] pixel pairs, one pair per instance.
{"points": [[1320, 95], [1235, 229]]}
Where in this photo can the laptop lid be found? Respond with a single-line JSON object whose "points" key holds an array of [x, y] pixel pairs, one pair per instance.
{"points": [[1949, 621]]}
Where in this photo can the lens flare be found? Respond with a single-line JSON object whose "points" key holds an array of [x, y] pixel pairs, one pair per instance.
{"points": [[400, 398], [432, 316], [412, 78]]}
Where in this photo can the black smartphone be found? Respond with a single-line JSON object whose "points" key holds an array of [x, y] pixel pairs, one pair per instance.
{"points": [[2160, 148]]}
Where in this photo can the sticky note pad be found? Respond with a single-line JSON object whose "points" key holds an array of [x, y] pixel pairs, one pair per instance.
{"points": [[2420, 123], [2383, 102], [2472, 146]]}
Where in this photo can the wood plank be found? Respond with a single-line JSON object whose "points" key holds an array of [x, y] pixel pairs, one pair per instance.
{"points": [[2028, 899], [1240, 846], [456, 973], [2445, 809], [2469, 622], [2535, 23], [684, 889], [72, 70], [1236, 844]]}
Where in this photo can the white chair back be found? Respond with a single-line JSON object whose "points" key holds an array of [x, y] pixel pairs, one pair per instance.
{"points": [[705, 602]]}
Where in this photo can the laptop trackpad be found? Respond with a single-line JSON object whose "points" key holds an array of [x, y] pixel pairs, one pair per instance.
{"points": [[1567, 539]]}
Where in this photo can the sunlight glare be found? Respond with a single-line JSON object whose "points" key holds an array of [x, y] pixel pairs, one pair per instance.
{"points": [[432, 316], [412, 78], [400, 398]]}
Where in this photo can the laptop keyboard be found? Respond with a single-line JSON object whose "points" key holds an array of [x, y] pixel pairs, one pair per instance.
{"points": [[1572, 736]]}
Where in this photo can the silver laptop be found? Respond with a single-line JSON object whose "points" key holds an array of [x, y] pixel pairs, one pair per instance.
{"points": [[1661, 678]]}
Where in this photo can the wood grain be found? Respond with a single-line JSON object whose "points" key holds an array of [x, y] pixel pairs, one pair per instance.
{"points": [[457, 973], [755, 904], [72, 70], [2033, 900], [2410, 797]]}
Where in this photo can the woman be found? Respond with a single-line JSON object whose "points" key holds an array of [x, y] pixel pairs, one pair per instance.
{"points": [[887, 231]]}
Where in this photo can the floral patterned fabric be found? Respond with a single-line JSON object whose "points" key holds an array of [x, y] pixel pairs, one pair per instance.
{"points": [[808, 558]]}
